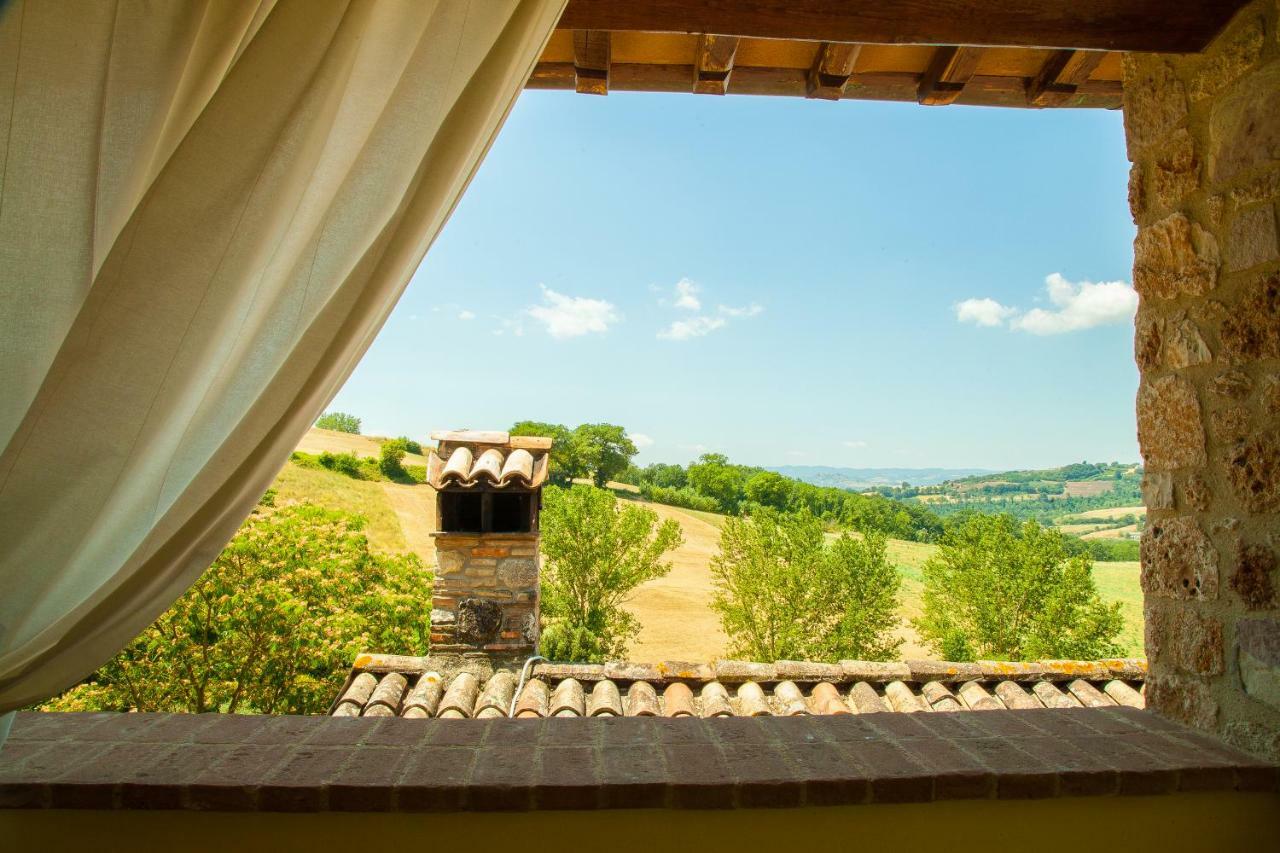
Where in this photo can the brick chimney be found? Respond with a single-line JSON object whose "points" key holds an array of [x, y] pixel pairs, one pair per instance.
{"points": [[488, 496]]}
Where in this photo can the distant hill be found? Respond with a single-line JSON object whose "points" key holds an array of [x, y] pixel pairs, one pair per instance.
{"points": [[870, 478]]}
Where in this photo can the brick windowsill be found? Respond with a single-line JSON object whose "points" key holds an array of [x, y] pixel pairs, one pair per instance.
{"points": [[309, 764]]}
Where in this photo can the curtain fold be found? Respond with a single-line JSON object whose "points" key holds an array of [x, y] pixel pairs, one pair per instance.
{"points": [[207, 211]]}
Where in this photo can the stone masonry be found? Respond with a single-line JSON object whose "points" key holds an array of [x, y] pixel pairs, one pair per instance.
{"points": [[486, 593], [1203, 133]]}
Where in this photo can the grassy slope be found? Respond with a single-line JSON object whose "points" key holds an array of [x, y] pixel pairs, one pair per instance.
{"points": [[337, 491]]}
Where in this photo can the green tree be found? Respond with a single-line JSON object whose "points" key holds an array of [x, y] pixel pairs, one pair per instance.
{"points": [[605, 449], [391, 460], [597, 552], [784, 594], [567, 461], [997, 591], [713, 476], [769, 488], [272, 626], [339, 421]]}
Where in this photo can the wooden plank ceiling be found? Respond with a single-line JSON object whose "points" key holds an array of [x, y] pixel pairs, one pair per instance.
{"points": [[1008, 53]]}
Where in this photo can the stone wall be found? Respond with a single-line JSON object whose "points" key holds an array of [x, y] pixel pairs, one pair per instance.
{"points": [[1203, 133], [486, 593]]}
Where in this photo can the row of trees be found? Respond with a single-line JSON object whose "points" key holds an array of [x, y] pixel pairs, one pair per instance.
{"points": [[994, 590], [738, 489]]}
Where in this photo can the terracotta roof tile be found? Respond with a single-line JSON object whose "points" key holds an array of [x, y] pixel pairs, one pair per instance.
{"points": [[534, 700], [389, 685], [677, 700], [567, 700], [751, 701], [642, 700], [475, 463], [605, 700], [715, 700]]}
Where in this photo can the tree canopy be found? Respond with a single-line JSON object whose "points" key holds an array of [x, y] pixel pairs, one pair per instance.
{"points": [[599, 451], [339, 421], [597, 552], [784, 594], [999, 591]]}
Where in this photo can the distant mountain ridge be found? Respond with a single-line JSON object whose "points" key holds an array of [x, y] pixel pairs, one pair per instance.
{"points": [[870, 478]]}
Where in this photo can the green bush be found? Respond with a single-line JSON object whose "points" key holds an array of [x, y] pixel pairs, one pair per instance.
{"points": [[684, 497], [410, 445], [340, 422], [344, 463], [391, 460], [272, 626]]}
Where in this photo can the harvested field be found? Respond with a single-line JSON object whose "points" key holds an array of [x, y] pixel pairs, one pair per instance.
{"points": [[1087, 488], [322, 440]]}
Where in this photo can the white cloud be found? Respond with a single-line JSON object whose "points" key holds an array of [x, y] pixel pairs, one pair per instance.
{"points": [[681, 330], [572, 316], [687, 295], [746, 311], [1076, 306], [687, 299], [696, 448], [464, 314], [639, 439], [856, 445], [1079, 306], [984, 312]]}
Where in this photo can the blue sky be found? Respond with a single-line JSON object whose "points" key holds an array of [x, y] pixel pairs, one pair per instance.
{"points": [[865, 284]]}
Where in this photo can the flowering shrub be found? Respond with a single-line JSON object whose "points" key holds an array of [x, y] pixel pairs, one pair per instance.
{"points": [[272, 626]]}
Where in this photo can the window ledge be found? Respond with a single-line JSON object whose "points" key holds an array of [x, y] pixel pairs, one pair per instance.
{"points": [[315, 764]]}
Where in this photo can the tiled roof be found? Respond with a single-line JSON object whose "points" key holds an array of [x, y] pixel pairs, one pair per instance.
{"points": [[495, 459], [390, 685]]}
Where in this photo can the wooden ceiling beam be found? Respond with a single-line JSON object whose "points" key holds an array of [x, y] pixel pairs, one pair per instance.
{"points": [[592, 51], [831, 69], [1061, 76], [714, 64], [1159, 26], [945, 77]]}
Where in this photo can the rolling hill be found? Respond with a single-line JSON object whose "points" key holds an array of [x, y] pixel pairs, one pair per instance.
{"points": [[861, 479]]}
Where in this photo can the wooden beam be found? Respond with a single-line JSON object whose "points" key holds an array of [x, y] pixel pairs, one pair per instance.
{"points": [[831, 69], [714, 64], [1160, 26], [948, 72], [591, 61], [1063, 73]]}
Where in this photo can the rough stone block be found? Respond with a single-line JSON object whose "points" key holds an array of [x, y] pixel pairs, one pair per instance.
{"points": [[1157, 490], [1169, 428], [1197, 642], [1174, 257], [1253, 330], [1196, 494], [1155, 101], [1174, 172], [1252, 240], [1251, 579], [1178, 560], [1183, 344], [518, 572], [1253, 468], [1230, 59], [477, 621], [1258, 642], [1269, 396], [1244, 125], [490, 551], [1181, 699], [449, 562], [1233, 385], [1229, 425]]}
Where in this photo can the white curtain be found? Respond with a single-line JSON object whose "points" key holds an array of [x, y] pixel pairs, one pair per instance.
{"points": [[207, 210]]}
